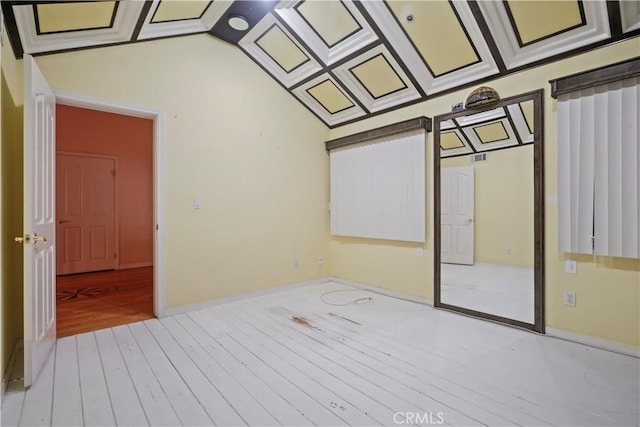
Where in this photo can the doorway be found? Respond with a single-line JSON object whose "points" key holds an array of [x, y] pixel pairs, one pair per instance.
{"points": [[105, 219]]}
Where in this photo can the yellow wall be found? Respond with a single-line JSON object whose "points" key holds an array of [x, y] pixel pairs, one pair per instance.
{"points": [[503, 232], [11, 207], [235, 139], [607, 289]]}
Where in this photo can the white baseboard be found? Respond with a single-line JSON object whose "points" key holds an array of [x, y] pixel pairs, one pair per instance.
{"points": [[17, 347], [615, 347], [172, 311], [383, 291]]}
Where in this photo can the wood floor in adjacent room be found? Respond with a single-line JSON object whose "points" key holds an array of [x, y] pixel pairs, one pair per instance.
{"points": [[299, 357], [91, 301]]}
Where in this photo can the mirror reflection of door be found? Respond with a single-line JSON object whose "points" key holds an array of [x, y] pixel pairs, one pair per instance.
{"points": [[487, 211], [456, 212]]}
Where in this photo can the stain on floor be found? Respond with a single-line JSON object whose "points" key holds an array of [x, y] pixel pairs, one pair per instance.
{"points": [[302, 321]]}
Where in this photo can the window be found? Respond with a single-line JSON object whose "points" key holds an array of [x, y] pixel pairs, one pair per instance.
{"points": [[378, 187], [598, 176]]}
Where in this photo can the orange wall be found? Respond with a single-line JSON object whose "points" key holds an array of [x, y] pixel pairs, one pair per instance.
{"points": [[131, 140]]}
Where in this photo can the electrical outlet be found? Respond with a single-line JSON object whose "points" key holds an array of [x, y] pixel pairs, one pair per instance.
{"points": [[570, 266], [570, 298], [457, 106], [419, 251], [319, 260], [508, 252], [295, 263]]}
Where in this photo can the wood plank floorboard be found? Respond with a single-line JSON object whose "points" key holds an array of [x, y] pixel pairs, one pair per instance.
{"points": [[291, 359], [92, 301]]}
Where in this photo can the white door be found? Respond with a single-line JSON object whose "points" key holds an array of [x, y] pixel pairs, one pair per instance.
{"points": [[39, 221], [457, 210]]}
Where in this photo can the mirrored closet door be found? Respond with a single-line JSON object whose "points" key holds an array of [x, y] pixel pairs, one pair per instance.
{"points": [[489, 211]]}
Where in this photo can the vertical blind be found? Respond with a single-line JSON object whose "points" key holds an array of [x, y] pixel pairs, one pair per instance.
{"points": [[598, 170], [378, 188]]}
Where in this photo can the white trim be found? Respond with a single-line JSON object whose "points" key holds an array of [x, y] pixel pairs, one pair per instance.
{"points": [[159, 141], [465, 149], [248, 43], [331, 119], [181, 309], [151, 30], [409, 93], [414, 61], [615, 347], [520, 123], [355, 42], [123, 26], [472, 119], [470, 132], [596, 29], [17, 348], [630, 11]]}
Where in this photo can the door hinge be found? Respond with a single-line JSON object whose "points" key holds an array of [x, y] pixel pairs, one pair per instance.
{"points": [[115, 255], [113, 172], [593, 243]]}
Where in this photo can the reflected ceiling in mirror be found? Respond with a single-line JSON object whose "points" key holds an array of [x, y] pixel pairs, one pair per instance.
{"points": [[501, 127]]}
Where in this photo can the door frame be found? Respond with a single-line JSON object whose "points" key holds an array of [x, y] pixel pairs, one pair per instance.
{"points": [[159, 174], [116, 202]]}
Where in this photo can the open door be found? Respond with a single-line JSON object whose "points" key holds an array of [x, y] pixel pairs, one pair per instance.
{"points": [[39, 221], [457, 213]]}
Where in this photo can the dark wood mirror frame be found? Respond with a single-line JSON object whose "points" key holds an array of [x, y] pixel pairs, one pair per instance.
{"points": [[538, 184]]}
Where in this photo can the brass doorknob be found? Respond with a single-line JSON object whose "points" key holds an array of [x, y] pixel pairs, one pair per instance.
{"points": [[26, 239]]}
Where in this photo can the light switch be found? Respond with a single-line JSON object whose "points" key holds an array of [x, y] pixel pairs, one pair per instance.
{"points": [[571, 266], [196, 203]]}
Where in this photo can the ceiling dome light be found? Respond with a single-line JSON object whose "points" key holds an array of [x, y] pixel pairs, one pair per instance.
{"points": [[482, 96], [238, 23]]}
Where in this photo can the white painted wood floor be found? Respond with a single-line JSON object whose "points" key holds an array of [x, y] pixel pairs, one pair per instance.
{"points": [[385, 362], [503, 290]]}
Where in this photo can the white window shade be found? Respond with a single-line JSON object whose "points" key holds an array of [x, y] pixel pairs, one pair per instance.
{"points": [[378, 188], [598, 176]]}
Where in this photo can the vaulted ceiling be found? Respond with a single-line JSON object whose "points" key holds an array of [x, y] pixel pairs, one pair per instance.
{"points": [[344, 60]]}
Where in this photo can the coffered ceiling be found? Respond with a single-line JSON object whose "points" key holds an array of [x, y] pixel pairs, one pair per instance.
{"points": [[346, 60]]}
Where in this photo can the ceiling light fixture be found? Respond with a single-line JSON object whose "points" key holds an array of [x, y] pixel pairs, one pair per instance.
{"points": [[238, 23]]}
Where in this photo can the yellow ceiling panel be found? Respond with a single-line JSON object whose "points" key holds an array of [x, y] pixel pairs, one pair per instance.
{"points": [[491, 133], [330, 19], [450, 140], [56, 17], [281, 49], [377, 76], [527, 111], [436, 33], [331, 98], [535, 19], [175, 10]]}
